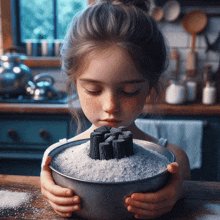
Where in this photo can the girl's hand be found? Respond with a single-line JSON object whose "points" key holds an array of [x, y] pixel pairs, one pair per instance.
{"points": [[61, 199], [153, 205]]}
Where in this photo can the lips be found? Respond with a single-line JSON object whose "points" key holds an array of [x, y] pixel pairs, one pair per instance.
{"points": [[111, 122]]}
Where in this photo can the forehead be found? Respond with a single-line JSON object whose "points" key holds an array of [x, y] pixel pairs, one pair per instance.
{"points": [[110, 65]]}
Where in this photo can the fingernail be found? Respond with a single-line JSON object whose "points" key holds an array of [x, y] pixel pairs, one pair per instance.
{"points": [[75, 199], [68, 193], [129, 208], [76, 207], [127, 200], [68, 214]]}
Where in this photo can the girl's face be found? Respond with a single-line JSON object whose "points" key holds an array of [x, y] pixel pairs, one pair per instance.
{"points": [[111, 90]]}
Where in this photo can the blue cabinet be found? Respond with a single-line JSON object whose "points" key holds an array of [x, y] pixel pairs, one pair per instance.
{"points": [[24, 138]]}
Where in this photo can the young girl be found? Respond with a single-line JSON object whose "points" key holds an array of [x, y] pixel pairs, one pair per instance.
{"points": [[114, 55]]}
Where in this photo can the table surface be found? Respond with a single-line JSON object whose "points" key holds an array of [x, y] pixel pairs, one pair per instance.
{"points": [[202, 201]]}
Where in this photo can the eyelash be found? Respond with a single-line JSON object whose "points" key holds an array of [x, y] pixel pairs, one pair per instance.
{"points": [[93, 92], [129, 94]]}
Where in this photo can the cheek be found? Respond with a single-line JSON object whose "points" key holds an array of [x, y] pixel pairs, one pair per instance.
{"points": [[135, 105], [89, 105]]}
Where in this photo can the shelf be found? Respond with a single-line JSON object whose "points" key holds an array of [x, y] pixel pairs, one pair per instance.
{"points": [[43, 62]]}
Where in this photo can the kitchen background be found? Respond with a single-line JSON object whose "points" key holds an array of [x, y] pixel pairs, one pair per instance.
{"points": [[176, 37], [27, 130]]}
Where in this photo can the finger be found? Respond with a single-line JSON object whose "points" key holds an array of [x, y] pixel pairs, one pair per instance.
{"points": [[150, 206], [46, 164], [159, 196], [173, 167], [64, 214], [149, 214], [61, 200], [65, 209], [48, 184]]}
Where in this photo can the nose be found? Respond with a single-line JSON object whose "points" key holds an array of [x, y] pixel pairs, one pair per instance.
{"points": [[110, 103]]}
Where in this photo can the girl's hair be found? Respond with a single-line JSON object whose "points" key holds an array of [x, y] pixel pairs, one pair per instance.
{"points": [[124, 23]]}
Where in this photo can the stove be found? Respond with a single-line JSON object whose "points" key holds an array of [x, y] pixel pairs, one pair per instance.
{"points": [[61, 99]]}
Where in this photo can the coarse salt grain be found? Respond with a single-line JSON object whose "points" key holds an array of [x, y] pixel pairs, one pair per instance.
{"points": [[75, 162], [10, 199]]}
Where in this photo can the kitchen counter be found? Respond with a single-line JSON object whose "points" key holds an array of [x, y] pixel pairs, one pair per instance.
{"points": [[163, 109], [202, 201]]}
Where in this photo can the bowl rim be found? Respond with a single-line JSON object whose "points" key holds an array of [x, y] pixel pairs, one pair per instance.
{"points": [[173, 159]]}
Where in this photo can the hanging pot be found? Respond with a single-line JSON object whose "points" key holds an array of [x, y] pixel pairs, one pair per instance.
{"points": [[41, 88], [14, 75]]}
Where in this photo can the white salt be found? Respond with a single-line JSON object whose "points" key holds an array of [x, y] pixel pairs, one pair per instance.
{"points": [[10, 199], [75, 162]]}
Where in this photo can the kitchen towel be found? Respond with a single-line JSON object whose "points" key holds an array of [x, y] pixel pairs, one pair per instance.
{"points": [[187, 134]]}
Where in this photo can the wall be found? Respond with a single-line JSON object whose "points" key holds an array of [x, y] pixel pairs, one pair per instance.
{"points": [[176, 37]]}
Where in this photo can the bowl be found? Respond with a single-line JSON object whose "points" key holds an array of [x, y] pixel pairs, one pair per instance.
{"points": [[105, 200]]}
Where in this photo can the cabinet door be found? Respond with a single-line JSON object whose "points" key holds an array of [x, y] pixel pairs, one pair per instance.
{"points": [[33, 129]]}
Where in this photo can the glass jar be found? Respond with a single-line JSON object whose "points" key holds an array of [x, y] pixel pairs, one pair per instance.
{"points": [[191, 90], [209, 94], [175, 93]]}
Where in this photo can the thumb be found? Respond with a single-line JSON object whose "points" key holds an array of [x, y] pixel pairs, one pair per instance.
{"points": [[45, 166], [173, 167]]}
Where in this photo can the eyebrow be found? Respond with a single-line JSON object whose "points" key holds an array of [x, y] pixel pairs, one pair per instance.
{"points": [[123, 82]]}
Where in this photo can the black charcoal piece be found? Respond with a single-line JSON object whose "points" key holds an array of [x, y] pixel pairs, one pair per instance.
{"points": [[95, 139], [103, 129], [127, 136], [106, 151], [115, 131], [107, 135], [119, 148], [111, 138], [122, 128]]}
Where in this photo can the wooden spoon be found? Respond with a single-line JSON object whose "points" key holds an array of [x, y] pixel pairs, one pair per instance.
{"points": [[194, 22]]}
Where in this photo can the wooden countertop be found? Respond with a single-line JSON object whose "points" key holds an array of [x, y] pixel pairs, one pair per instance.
{"points": [[163, 109], [202, 201]]}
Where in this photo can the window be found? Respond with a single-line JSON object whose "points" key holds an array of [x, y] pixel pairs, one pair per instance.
{"points": [[10, 34], [43, 19]]}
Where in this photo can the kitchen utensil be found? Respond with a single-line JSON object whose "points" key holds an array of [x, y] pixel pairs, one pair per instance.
{"points": [[42, 89], [193, 22], [215, 46], [14, 75], [171, 11], [156, 12], [105, 200]]}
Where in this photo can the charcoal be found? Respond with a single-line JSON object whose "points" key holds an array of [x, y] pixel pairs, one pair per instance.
{"points": [[115, 131], [122, 128], [106, 151], [111, 138], [103, 129], [127, 136], [119, 148], [108, 142], [95, 139], [106, 135]]}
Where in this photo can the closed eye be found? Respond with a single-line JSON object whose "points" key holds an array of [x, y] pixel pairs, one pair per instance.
{"points": [[90, 92], [131, 93]]}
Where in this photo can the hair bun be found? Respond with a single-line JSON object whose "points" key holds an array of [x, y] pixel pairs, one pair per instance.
{"points": [[142, 4]]}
